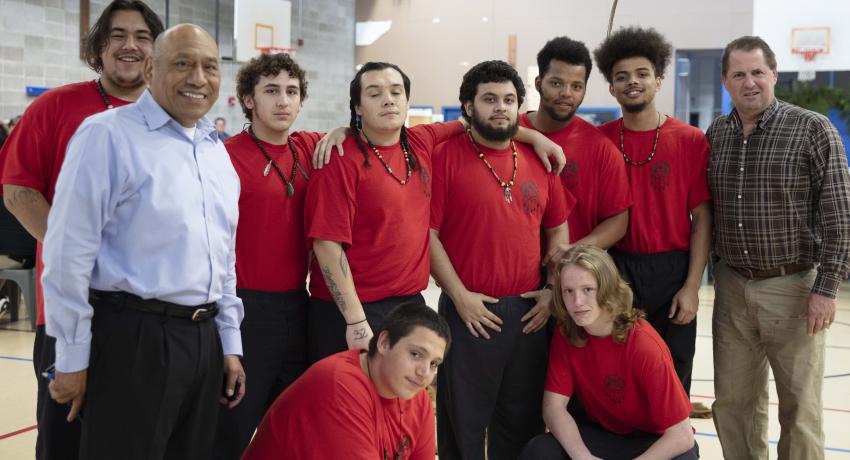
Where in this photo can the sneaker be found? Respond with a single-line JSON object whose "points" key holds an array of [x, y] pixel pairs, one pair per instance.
{"points": [[4, 307], [700, 410]]}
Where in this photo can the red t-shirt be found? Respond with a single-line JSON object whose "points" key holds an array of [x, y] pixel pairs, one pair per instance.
{"points": [[270, 253], [381, 224], [494, 246], [35, 150], [666, 188], [624, 387], [333, 412], [595, 175]]}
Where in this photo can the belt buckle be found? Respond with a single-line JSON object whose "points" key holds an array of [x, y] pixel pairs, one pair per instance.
{"points": [[196, 316]]}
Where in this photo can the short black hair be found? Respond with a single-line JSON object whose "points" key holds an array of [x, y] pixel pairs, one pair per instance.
{"points": [[267, 65], [401, 321], [489, 72], [98, 36], [748, 43], [632, 42], [564, 49]]}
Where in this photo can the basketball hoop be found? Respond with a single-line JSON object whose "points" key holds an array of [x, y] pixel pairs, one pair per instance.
{"points": [[276, 50], [809, 54]]}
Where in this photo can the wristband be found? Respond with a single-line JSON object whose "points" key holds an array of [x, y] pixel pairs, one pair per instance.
{"points": [[357, 322]]}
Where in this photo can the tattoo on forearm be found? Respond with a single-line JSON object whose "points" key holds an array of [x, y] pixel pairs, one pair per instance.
{"points": [[343, 264], [334, 289], [24, 197], [359, 334]]}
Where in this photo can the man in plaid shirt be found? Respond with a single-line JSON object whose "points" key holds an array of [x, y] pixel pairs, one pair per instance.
{"points": [[779, 179]]}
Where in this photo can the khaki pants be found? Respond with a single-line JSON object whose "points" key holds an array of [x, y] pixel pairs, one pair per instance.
{"points": [[756, 324]]}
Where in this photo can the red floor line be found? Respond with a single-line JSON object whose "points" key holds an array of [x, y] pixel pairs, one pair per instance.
{"points": [[831, 409], [15, 433]]}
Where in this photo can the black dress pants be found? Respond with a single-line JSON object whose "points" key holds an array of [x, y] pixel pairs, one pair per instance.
{"points": [[153, 386], [655, 279], [601, 443], [491, 386], [57, 439], [326, 325], [274, 347]]}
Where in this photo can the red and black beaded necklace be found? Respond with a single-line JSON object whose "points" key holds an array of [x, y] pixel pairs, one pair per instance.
{"points": [[290, 184], [505, 185], [654, 144], [103, 94], [387, 166]]}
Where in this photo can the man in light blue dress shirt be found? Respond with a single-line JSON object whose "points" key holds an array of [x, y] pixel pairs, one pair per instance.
{"points": [[139, 281]]}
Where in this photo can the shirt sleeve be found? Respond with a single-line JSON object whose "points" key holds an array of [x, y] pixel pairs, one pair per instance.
{"points": [[616, 195], [230, 308], [87, 193], [559, 377], [26, 152], [439, 185], [667, 398], [560, 205], [699, 192], [305, 142], [432, 134], [831, 184], [426, 440], [331, 204]]}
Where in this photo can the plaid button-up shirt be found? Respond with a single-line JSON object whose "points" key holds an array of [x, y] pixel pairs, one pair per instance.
{"points": [[782, 194]]}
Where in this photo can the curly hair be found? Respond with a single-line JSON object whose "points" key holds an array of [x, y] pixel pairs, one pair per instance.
{"points": [[613, 294], [267, 65], [98, 36], [748, 43], [567, 50], [355, 88], [633, 42], [489, 72]]}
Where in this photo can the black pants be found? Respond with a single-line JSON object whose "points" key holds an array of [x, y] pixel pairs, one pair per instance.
{"points": [[153, 386], [326, 325], [493, 385], [56, 439], [274, 346], [655, 279], [601, 443]]}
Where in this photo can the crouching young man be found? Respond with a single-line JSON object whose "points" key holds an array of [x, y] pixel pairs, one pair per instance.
{"points": [[363, 405]]}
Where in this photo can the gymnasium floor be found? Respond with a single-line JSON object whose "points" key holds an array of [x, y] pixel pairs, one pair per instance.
{"points": [[17, 394]]}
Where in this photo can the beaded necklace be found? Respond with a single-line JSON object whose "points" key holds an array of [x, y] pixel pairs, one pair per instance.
{"points": [[103, 94], [505, 185], [290, 187], [387, 166], [654, 144]]}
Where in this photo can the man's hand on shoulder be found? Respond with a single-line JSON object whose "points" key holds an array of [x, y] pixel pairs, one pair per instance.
{"points": [[233, 371], [69, 387], [819, 314]]}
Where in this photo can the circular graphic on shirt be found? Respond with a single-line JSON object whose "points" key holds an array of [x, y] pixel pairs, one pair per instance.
{"points": [[614, 387], [530, 197], [570, 174], [660, 175]]}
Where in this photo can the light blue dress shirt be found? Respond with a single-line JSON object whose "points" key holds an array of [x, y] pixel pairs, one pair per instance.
{"points": [[140, 208]]}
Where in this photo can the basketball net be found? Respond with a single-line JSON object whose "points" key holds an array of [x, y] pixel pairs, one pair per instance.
{"points": [[807, 70]]}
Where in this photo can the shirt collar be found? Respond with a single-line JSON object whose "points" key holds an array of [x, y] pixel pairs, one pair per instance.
{"points": [[156, 117], [766, 116]]}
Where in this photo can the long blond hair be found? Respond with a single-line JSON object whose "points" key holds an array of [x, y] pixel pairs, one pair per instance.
{"points": [[613, 294]]}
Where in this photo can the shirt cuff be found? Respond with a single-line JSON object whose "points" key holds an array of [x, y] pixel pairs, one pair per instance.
{"points": [[231, 341], [72, 357], [827, 284]]}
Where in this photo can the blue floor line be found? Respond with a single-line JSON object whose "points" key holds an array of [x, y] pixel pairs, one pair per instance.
{"points": [[13, 358], [829, 449]]}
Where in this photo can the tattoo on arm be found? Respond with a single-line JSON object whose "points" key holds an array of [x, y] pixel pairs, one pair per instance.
{"points": [[24, 197], [359, 334], [334, 289], [343, 264]]}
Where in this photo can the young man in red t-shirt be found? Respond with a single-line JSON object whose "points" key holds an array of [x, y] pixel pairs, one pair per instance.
{"points": [[604, 352], [362, 405], [595, 174], [116, 48], [666, 247], [492, 202], [367, 214], [274, 166]]}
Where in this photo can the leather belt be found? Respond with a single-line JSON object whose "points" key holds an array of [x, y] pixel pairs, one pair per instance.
{"points": [[160, 307], [783, 270]]}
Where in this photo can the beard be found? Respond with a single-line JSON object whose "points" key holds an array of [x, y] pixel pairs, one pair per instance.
{"points": [[550, 111], [635, 108], [490, 133]]}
